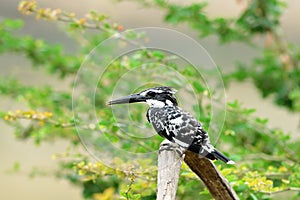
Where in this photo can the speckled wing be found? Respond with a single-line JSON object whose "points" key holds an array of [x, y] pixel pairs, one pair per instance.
{"points": [[158, 117], [178, 126]]}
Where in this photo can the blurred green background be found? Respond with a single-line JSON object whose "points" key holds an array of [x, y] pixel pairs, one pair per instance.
{"points": [[130, 15]]}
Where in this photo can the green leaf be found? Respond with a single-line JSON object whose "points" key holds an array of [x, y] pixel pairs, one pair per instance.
{"points": [[253, 196], [198, 87], [12, 23]]}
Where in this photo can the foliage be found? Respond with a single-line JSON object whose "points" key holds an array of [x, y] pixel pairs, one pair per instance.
{"points": [[279, 59], [274, 75], [267, 158]]}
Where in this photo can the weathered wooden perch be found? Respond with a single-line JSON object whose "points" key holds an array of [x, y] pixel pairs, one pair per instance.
{"points": [[217, 185], [169, 164]]}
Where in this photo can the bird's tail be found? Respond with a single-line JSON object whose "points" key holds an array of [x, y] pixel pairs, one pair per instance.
{"points": [[218, 155], [215, 154]]}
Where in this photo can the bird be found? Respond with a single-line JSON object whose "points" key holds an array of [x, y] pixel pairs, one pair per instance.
{"points": [[173, 123]]}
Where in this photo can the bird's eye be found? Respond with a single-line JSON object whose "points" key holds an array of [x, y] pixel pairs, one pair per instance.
{"points": [[150, 93]]}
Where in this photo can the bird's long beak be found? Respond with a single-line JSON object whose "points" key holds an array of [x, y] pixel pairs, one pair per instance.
{"points": [[128, 99]]}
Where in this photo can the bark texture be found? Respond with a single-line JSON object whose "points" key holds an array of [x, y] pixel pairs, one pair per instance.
{"points": [[169, 164], [217, 185]]}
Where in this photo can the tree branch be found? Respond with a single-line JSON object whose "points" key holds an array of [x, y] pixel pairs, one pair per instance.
{"points": [[217, 185]]}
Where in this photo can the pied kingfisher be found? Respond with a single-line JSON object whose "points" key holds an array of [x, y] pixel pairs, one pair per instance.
{"points": [[173, 123]]}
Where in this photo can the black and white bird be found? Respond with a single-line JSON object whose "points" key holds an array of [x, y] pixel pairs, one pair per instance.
{"points": [[173, 123]]}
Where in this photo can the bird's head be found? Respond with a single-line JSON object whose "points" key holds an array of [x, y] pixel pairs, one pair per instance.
{"points": [[154, 97]]}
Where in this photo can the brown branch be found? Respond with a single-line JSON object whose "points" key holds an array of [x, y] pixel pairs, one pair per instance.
{"points": [[217, 185]]}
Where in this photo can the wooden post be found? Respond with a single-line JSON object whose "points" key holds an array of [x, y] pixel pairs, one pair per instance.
{"points": [[169, 164]]}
